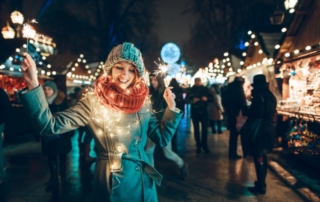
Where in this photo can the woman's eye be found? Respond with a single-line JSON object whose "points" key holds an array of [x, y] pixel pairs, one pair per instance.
{"points": [[120, 68], [131, 70]]}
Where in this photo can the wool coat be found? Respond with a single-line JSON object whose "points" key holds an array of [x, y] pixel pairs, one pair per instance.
{"points": [[215, 108], [123, 171]]}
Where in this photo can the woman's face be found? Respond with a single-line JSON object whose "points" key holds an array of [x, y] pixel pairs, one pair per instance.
{"points": [[123, 74], [154, 82], [48, 91]]}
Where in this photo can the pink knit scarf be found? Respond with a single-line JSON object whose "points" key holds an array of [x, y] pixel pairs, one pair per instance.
{"points": [[128, 100]]}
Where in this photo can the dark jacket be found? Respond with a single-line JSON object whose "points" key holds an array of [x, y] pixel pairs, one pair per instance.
{"points": [[159, 104], [263, 107], [178, 91], [5, 106], [200, 107], [233, 100], [57, 144]]}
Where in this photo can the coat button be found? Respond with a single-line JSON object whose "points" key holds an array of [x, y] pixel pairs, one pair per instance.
{"points": [[138, 168]]}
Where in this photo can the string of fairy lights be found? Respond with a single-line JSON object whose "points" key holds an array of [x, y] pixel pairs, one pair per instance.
{"points": [[212, 71]]}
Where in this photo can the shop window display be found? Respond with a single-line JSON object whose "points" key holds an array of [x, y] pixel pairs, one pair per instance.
{"points": [[303, 105]]}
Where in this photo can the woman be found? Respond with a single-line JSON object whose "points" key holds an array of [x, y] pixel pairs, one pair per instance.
{"points": [[159, 105], [215, 110], [262, 109], [119, 114], [55, 146]]}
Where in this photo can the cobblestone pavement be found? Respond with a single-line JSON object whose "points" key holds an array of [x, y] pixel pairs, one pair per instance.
{"points": [[212, 177]]}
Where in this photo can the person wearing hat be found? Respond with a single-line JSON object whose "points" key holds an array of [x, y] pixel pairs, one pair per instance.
{"points": [[119, 114], [234, 101], [262, 108], [55, 147]]}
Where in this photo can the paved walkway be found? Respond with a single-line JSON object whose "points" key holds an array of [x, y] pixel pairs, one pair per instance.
{"points": [[213, 177]]}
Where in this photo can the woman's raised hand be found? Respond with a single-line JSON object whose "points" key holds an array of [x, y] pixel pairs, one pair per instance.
{"points": [[169, 96], [29, 71]]}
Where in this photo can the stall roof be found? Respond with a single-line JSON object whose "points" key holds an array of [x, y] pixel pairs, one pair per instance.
{"points": [[304, 29], [269, 41], [61, 63]]}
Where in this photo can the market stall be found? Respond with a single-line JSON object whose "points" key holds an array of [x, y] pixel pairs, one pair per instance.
{"points": [[298, 66]]}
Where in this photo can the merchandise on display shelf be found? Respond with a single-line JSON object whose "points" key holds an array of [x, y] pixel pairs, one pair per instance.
{"points": [[301, 140], [304, 87]]}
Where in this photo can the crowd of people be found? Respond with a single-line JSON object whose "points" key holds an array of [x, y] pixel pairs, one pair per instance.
{"points": [[121, 99]]}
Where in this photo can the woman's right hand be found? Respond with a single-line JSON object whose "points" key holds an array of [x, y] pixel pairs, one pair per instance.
{"points": [[29, 71]]}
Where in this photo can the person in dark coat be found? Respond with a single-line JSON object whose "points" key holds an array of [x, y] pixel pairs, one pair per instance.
{"points": [[199, 96], [55, 146], [263, 107], [178, 91], [5, 106], [159, 104], [234, 101]]}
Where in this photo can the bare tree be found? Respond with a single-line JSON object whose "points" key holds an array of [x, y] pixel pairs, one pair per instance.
{"points": [[93, 27], [222, 24]]}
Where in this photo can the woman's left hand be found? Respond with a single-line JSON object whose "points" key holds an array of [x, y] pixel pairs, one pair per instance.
{"points": [[169, 96]]}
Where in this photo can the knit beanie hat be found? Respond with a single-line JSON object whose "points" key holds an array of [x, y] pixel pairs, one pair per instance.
{"points": [[51, 85], [125, 52]]}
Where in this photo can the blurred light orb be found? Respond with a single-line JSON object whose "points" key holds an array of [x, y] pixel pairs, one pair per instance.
{"points": [[174, 69], [170, 53]]}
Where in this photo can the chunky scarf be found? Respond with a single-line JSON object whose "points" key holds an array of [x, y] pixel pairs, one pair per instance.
{"points": [[128, 100]]}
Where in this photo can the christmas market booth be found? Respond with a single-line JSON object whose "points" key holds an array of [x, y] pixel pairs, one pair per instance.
{"points": [[11, 78], [298, 66]]}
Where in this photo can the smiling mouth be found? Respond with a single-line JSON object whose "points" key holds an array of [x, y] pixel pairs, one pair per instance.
{"points": [[123, 81]]}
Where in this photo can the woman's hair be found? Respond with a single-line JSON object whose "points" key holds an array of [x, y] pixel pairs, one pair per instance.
{"points": [[160, 80]]}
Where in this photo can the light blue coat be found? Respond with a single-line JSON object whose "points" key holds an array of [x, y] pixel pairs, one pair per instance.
{"points": [[123, 171]]}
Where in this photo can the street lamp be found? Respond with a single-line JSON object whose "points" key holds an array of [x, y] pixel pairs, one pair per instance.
{"points": [[16, 17], [7, 32], [290, 4], [277, 17]]}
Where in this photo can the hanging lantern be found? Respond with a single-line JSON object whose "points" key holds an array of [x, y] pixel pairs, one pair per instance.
{"points": [[7, 32], [277, 17], [16, 17], [290, 4]]}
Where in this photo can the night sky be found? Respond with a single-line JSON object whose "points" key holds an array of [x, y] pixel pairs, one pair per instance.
{"points": [[173, 25]]}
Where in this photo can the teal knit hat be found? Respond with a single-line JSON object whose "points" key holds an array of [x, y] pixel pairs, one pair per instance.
{"points": [[125, 52], [51, 85]]}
